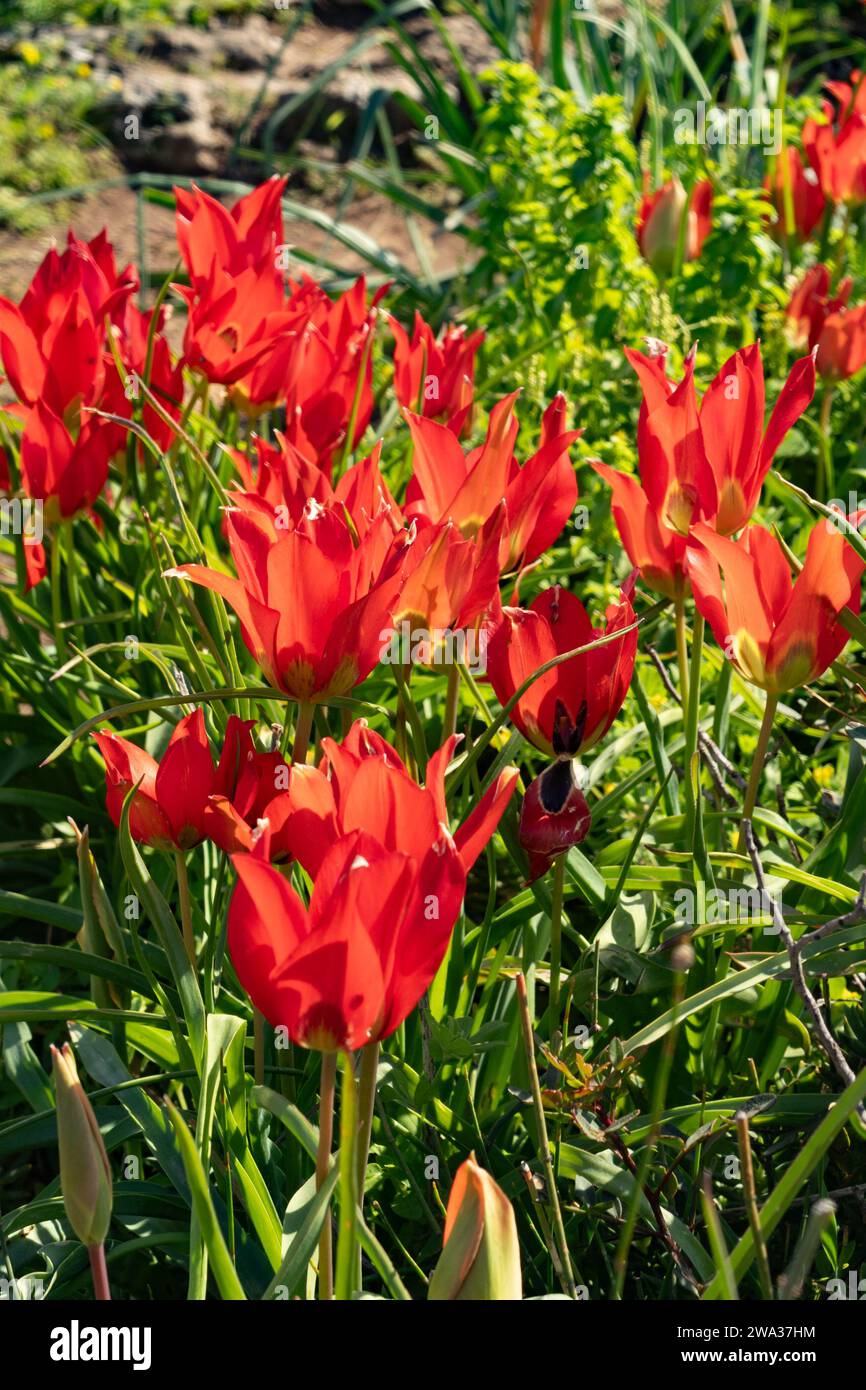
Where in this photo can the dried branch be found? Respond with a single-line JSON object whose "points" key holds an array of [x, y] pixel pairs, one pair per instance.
{"points": [[795, 948]]}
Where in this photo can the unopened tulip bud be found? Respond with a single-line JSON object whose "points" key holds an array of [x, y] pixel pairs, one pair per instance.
{"points": [[85, 1177], [660, 223], [480, 1260], [554, 816]]}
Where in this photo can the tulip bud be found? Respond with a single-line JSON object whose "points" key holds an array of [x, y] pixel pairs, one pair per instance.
{"points": [[480, 1260], [661, 219], [554, 816], [660, 232], [85, 1177]]}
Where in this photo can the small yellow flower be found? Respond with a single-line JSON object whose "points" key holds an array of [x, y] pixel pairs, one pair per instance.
{"points": [[45, 131], [824, 775], [84, 70], [30, 53]]}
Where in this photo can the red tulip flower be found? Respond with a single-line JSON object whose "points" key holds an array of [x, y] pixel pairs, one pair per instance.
{"points": [[699, 461], [243, 238], [67, 474], [388, 883], [660, 218], [283, 481], [836, 146], [780, 633], [449, 585], [333, 390], [836, 333], [842, 345], [807, 200], [168, 809], [52, 343], [362, 784], [236, 821], [349, 968], [468, 489], [165, 377], [572, 706], [312, 605], [435, 377], [243, 332], [240, 334]]}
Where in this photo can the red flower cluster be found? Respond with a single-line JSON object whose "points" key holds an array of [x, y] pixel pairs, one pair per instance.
{"points": [[807, 200], [702, 460], [58, 360], [327, 562], [301, 350], [836, 146], [825, 323]]}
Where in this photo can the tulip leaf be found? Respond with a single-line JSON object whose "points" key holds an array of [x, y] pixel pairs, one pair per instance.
{"points": [[297, 1256], [220, 1261], [170, 938], [769, 968], [795, 1175]]}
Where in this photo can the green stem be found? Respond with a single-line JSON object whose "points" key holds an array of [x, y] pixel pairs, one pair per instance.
{"points": [[303, 727], [327, 1086], [682, 649], [825, 483], [692, 721], [348, 446], [757, 767], [556, 937], [56, 605], [751, 1198], [419, 747], [258, 1047], [449, 722], [185, 905], [543, 1141], [346, 1261], [366, 1104], [71, 570]]}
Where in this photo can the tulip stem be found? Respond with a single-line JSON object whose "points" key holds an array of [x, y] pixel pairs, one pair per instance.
{"points": [[348, 1183], [543, 1141], [258, 1047], [556, 937], [757, 768], [682, 649], [403, 674], [692, 718], [71, 572], [327, 1086], [99, 1270], [303, 728], [452, 694], [56, 606], [185, 905], [349, 443], [825, 482], [366, 1104]]}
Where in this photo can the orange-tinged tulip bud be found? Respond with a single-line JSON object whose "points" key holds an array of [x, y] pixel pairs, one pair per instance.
{"points": [[660, 220], [480, 1260], [85, 1177]]}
